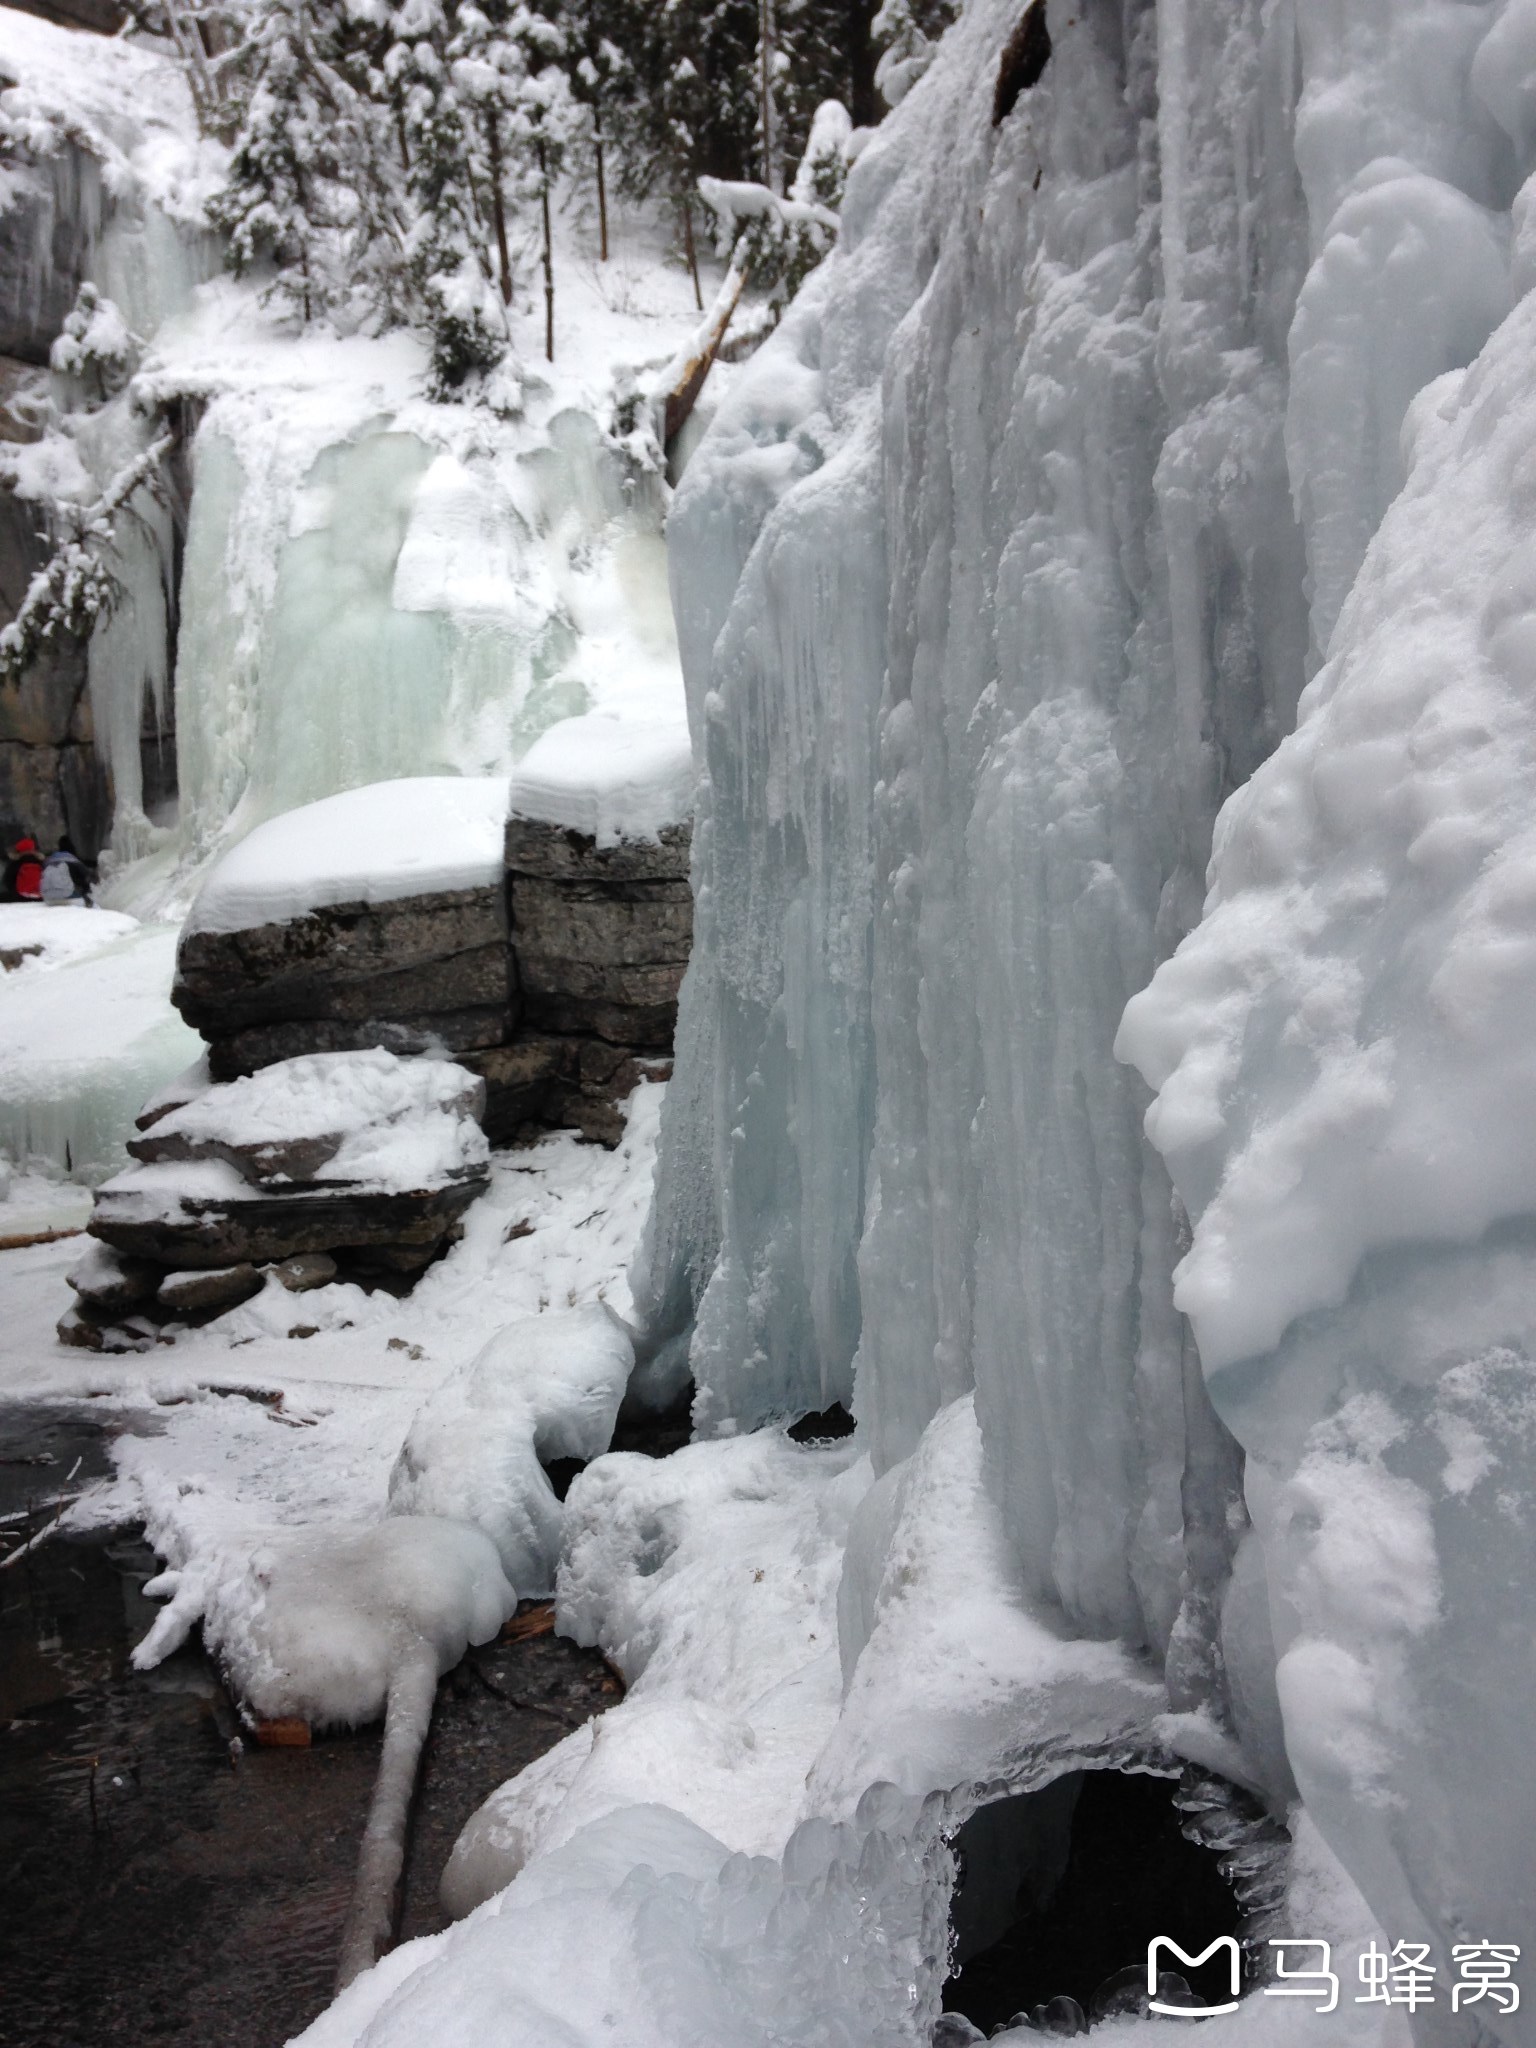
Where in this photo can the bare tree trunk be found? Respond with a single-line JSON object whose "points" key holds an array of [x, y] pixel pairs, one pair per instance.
{"points": [[765, 50], [499, 208], [689, 250], [679, 402], [189, 46], [602, 185], [549, 261]]}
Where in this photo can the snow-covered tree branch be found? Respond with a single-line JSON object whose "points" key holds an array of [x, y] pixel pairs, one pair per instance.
{"points": [[78, 583]]}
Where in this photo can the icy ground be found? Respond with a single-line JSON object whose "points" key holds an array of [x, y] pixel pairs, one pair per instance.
{"points": [[288, 1414]]}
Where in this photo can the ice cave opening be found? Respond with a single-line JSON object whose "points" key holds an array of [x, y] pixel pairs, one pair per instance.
{"points": [[1059, 1893]]}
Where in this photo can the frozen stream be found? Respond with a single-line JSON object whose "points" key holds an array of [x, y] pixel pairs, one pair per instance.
{"points": [[157, 1886]]}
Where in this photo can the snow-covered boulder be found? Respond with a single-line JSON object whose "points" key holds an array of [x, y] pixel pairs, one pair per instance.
{"points": [[362, 1153], [377, 916]]}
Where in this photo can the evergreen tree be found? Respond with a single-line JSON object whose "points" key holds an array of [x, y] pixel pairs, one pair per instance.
{"points": [[602, 82], [459, 256], [543, 123], [302, 155], [909, 31]]}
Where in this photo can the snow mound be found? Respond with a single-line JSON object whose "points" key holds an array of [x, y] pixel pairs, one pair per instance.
{"points": [[364, 1118], [502, 1833], [546, 1387], [34, 935], [612, 778], [376, 844], [644, 1923], [952, 1671], [322, 1618]]}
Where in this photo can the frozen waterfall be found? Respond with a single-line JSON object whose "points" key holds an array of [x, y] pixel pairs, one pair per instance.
{"points": [[1001, 571]]}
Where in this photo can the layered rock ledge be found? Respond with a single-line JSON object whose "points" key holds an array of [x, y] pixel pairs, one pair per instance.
{"points": [[335, 1165], [412, 916]]}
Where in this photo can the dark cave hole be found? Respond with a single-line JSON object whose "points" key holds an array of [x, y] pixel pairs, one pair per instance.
{"points": [[824, 1425], [1025, 56], [1060, 1891], [561, 1471]]}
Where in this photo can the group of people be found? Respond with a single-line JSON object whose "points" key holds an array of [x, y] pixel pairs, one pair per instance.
{"points": [[32, 876]]}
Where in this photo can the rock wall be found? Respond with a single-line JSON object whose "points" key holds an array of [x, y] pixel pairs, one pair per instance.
{"points": [[558, 987], [51, 780]]}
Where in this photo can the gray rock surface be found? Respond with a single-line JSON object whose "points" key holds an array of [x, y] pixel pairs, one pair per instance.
{"points": [[556, 853], [560, 1007], [453, 1031], [602, 936], [267, 1228], [219, 1287], [300, 1275], [51, 781], [347, 962]]}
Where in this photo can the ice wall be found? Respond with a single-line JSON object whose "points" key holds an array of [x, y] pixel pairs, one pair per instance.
{"points": [[989, 590], [1346, 1103], [1001, 568]]}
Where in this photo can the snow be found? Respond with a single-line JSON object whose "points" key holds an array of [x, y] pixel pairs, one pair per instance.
{"points": [[392, 1125], [128, 104], [1368, 893], [411, 837], [612, 778], [264, 1473], [321, 1620], [39, 935], [32, 1205], [545, 1387]]}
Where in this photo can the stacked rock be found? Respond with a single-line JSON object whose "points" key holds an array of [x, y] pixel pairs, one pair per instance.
{"points": [[411, 915], [600, 937], [376, 917], [352, 1165]]}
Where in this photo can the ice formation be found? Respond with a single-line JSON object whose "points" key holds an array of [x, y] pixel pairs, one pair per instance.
{"points": [[322, 1619], [86, 1033], [546, 1388], [998, 572], [371, 586]]}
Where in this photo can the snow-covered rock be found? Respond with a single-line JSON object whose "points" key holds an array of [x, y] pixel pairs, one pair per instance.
{"points": [[419, 836], [611, 778], [361, 1152]]}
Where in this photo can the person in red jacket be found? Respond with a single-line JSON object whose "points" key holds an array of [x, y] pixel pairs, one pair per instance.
{"points": [[27, 875]]}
